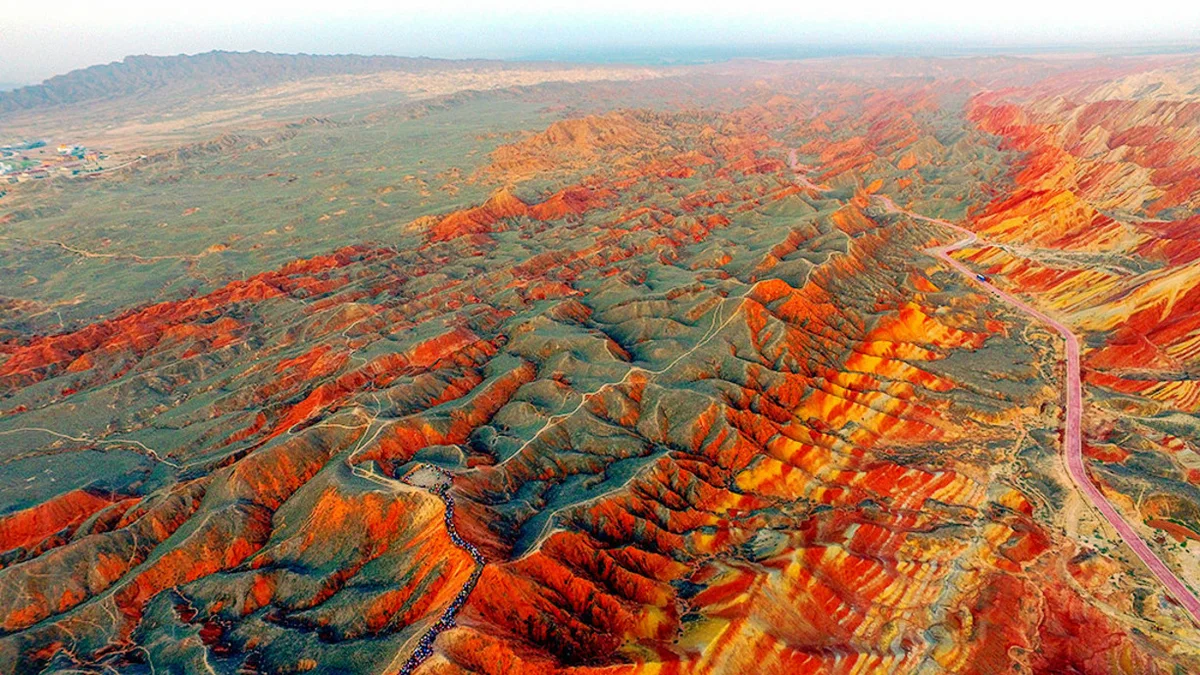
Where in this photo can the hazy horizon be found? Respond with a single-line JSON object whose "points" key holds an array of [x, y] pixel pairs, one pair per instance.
{"points": [[80, 34]]}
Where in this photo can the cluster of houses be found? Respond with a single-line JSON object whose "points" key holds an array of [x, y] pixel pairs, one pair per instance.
{"points": [[33, 160]]}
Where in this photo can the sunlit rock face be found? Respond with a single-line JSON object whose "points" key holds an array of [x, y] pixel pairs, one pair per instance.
{"points": [[657, 377]]}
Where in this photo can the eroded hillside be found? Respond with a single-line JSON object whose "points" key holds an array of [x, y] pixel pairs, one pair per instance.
{"points": [[647, 377]]}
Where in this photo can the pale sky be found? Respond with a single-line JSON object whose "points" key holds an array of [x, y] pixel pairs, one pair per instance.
{"points": [[41, 39]]}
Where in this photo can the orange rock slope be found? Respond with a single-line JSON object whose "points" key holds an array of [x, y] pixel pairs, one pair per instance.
{"points": [[1100, 228]]}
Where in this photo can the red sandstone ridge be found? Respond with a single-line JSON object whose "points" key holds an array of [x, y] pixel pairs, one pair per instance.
{"points": [[136, 332], [577, 143], [503, 205], [573, 200], [480, 219], [26, 528]]}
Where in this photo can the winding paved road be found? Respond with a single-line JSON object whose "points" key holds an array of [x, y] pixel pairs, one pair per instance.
{"points": [[1073, 437]]}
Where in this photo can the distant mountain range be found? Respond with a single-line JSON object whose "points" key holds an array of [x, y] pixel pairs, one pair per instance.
{"points": [[140, 74]]}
